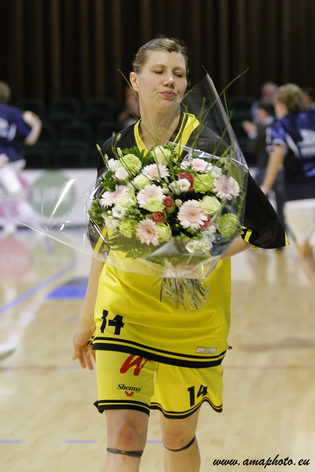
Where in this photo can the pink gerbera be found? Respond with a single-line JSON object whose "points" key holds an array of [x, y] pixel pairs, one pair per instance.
{"points": [[155, 172], [147, 233], [226, 187], [149, 191], [109, 198], [200, 165], [190, 215]]}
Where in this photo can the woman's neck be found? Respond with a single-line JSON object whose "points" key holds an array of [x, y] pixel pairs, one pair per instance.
{"points": [[158, 129]]}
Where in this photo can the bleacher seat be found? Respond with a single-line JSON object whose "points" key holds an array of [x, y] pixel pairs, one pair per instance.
{"points": [[99, 109], [34, 104], [105, 130]]}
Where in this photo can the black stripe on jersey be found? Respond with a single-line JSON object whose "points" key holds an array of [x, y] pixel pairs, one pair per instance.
{"points": [[184, 414], [189, 356], [102, 405], [153, 354]]}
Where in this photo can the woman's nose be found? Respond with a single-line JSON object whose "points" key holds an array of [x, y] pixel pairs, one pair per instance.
{"points": [[169, 80]]}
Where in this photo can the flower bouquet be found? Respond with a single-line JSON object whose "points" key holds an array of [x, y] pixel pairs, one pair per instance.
{"points": [[175, 212], [169, 212]]}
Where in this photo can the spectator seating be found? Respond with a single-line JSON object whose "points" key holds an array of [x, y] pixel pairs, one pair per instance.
{"points": [[71, 129], [34, 104], [38, 157], [99, 109]]}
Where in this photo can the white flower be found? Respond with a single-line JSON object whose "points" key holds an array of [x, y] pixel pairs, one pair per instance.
{"points": [[209, 231], [111, 222], [118, 211], [178, 202], [197, 245], [185, 164], [184, 185], [113, 165], [210, 205], [121, 173], [175, 188], [140, 181], [215, 172]]}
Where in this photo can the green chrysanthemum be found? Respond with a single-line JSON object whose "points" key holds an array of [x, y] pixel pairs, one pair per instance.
{"points": [[131, 163], [227, 225], [128, 227], [164, 232], [154, 205], [203, 183]]}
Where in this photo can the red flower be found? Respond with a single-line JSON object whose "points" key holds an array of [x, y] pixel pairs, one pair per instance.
{"points": [[206, 223], [158, 217], [168, 202], [189, 177]]}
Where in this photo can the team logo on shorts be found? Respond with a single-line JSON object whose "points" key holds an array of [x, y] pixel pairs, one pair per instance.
{"points": [[133, 361], [129, 389]]}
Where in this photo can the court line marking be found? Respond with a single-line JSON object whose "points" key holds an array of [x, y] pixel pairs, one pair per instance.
{"points": [[10, 441], [35, 289]]}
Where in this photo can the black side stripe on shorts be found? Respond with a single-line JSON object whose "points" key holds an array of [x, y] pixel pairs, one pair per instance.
{"points": [[184, 414], [158, 355], [102, 405]]}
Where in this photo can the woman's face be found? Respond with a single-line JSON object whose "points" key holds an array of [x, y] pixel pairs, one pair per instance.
{"points": [[161, 81]]}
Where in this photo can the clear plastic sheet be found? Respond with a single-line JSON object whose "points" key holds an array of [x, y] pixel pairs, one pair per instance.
{"points": [[169, 213]]}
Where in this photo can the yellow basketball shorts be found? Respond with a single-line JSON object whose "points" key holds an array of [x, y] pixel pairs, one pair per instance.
{"points": [[128, 381]]}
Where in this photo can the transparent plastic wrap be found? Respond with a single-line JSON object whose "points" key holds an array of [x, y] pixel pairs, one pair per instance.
{"points": [[169, 213]]}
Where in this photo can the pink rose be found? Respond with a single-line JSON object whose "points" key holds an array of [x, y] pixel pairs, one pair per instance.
{"points": [[158, 217]]}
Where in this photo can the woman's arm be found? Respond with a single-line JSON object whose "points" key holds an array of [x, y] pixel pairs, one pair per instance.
{"points": [[276, 158], [36, 127], [86, 327], [237, 246]]}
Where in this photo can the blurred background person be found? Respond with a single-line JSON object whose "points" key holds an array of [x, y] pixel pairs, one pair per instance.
{"points": [[131, 113], [16, 129], [257, 143], [308, 98], [268, 92], [292, 142]]}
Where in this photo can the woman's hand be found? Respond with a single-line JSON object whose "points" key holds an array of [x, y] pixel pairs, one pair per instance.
{"points": [[82, 350]]}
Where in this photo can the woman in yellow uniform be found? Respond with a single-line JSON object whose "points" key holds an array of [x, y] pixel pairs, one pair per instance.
{"points": [[148, 353]]}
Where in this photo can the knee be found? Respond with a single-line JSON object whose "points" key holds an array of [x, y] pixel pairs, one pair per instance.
{"points": [[177, 439], [126, 432]]}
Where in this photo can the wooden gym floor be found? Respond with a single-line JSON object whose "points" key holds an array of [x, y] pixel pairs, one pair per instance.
{"points": [[47, 418]]}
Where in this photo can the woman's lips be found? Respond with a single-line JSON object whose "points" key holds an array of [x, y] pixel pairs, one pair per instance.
{"points": [[168, 94]]}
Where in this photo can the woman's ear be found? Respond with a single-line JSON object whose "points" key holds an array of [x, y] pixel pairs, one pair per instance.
{"points": [[134, 81]]}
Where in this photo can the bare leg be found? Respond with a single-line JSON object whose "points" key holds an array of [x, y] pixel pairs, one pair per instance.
{"points": [[308, 262], [126, 431], [176, 435]]}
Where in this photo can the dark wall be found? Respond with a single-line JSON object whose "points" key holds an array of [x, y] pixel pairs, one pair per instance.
{"points": [[75, 48]]}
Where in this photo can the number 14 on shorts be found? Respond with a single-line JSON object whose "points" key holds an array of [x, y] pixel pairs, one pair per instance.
{"points": [[203, 390]]}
